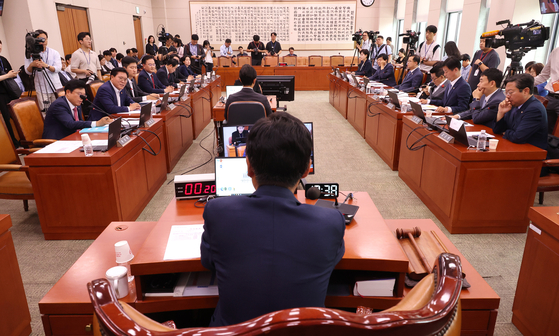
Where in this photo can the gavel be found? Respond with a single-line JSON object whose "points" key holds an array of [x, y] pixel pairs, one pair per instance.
{"points": [[411, 233]]}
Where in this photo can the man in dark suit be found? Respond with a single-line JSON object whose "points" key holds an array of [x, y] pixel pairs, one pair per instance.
{"points": [[240, 135], [65, 77], [64, 116], [365, 68], [269, 245], [521, 117], [148, 81], [112, 98], [195, 52], [247, 75], [414, 78], [165, 74], [488, 96], [113, 59], [132, 89], [457, 94], [436, 87]]}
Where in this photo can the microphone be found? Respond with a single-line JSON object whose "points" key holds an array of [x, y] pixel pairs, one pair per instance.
{"points": [[84, 97], [490, 33], [314, 193]]}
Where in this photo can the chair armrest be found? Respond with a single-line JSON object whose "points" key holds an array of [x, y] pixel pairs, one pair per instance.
{"points": [[10, 167], [551, 163], [26, 151], [43, 142]]}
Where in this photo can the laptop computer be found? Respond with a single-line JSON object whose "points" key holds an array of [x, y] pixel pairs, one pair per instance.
{"points": [[181, 93], [461, 135], [231, 177], [145, 114], [418, 111], [113, 136], [394, 98], [231, 89], [164, 103]]}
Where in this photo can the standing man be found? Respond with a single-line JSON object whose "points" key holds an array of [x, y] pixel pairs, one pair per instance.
{"points": [[148, 81], [456, 95], [85, 62], [269, 244], [256, 49], [550, 73], [113, 59], [466, 67], [226, 49], [429, 51], [132, 89], [195, 52], [483, 59], [111, 96], [380, 48], [273, 47], [48, 65]]}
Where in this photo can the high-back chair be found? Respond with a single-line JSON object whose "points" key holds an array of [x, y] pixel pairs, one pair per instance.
{"points": [[271, 60], [245, 113], [432, 307], [337, 61], [225, 61], [549, 182], [15, 183], [242, 60], [315, 60], [290, 60], [92, 88], [29, 122]]}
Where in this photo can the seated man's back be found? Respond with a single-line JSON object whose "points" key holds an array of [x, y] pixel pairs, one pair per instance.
{"points": [[247, 76]]}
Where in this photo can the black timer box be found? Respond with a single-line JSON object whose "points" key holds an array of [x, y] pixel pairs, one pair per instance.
{"points": [[194, 186]]}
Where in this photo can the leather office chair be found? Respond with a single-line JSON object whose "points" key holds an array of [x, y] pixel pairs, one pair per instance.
{"points": [[245, 113], [551, 181], [337, 61], [397, 72], [225, 61], [432, 307], [92, 88], [315, 60], [15, 183], [272, 61], [290, 60], [242, 60], [29, 122]]}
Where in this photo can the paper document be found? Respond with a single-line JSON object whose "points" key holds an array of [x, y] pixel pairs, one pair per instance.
{"points": [[134, 112], [100, 129], [60, 147], [131, 121], [429, 107], [471, 134], [196, 284], [382, 287], [184, 242], [99, 143], [455, 124]]}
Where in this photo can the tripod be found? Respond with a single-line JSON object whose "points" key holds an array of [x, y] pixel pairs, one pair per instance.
{"points": [[355, 53], [41, 90], [515, 66]]}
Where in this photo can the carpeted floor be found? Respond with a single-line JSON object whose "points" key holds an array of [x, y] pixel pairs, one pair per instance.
{"points": [[341, 155]]}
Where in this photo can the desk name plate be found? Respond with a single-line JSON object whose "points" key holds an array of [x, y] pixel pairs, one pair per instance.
{"points": [[446, 137]]}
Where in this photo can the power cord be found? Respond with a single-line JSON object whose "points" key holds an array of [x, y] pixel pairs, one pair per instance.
{"points": [[203, 164], [151, 151], [371, 114], [412, 148]]}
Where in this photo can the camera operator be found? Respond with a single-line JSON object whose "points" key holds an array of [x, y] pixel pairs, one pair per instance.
{"points": [[483, 59], [273, 47], [195, 52], [85, 63], [380, 48], [550, 73], [365, 43], [256, 48], [48, 65]]}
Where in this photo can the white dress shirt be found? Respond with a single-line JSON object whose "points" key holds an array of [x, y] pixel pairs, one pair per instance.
{"points": [[550, 72], [118, 102], [225, 51], [52, 58], [72, 106]]}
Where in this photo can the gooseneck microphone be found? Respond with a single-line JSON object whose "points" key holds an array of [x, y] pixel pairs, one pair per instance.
{"points": [[314, 193], [84, 97]]}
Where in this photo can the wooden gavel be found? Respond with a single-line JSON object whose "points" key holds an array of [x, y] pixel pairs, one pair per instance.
{"points": [[411, 233]]}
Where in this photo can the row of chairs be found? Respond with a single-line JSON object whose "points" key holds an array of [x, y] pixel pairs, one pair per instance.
{"points": [[314, 60]]}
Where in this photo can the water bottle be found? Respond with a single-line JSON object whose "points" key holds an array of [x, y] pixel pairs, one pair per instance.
{"points": [[481, 140], [87, 147]]}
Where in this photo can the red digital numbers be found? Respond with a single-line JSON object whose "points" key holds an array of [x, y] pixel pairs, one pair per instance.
{"points": [[186, 189], [199, 188]]}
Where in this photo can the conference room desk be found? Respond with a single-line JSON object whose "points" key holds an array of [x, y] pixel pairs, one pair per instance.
{"points": [[78, 196], [202, 102], [307, 78], [534, 311], [370, 245], [338, 94], [471, 191]]}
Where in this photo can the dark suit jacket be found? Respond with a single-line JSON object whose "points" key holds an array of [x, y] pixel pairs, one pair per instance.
{"points": [[65, 77], [167, 79], [196, 65], [456, 97], [106, 100], [364, 69], [236, 136], [145, 83], [114, 62], [486, 115], [412, 81], [270, 252], [527, 125], [185, 71], [248, 94], [151, 49], [385, 76], [138, 93], [59, 121]]}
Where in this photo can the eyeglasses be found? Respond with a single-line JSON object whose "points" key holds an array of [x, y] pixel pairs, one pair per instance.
{"points": [[510, 92]]}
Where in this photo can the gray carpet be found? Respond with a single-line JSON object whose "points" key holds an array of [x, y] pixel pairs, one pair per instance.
{"points": [[341, 156]]}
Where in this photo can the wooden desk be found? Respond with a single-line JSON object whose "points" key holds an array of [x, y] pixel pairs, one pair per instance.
{"points": [[78, 196], [338, 94], [534, 311], [357, 109], [479, 302], [471, 191], [306, 78], [15, 319]]}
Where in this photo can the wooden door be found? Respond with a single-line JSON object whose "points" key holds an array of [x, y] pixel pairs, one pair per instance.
{"points": [[139, 35], [72, 21]]}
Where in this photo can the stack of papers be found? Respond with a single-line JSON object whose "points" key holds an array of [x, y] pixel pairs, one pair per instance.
{"points": [[381, 287], [184, 242], [60, 147], [196, 284]]}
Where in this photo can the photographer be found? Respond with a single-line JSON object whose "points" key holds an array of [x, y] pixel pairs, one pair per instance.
{"points": [[273, 47], [47, 65], [195, 52], [208, 53], [256, 48], [365, 43], [483, 59]]}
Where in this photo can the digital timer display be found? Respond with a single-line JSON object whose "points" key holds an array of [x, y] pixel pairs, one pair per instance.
{"points": [[194, 189]]}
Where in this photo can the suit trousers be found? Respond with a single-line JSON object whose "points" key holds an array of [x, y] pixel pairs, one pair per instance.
{"points": [[552, 112]]}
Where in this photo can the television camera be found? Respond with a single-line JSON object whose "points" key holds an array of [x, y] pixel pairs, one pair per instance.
{"points": [[33, 46], [358, 35], [410, 38]]}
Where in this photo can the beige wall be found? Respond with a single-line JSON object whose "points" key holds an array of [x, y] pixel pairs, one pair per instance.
{"points": [[15, 20]]}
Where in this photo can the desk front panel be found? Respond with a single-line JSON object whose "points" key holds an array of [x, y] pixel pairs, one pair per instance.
{"points": [[178, 132], [469, 191], [356, 109], [340, 96], [201, 110]]}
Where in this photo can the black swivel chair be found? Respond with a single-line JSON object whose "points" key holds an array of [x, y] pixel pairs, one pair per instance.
{"points": [[245, 113]]}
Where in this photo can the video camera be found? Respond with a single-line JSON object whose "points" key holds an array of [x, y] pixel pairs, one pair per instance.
{"points": [[33, 46], [410, 38], [163, 35], [358, 35], [521, 37]]}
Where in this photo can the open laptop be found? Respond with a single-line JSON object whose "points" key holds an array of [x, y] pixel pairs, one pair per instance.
{"points": [[231, 177], [145, 114], [231, 89], [113, 136], [164, 103], [181, 93], [394, 98], [418, 111], [461, 135]]}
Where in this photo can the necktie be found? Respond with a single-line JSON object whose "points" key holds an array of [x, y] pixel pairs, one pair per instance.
{"points": [[152, 81], [482, 101], [76, 118], [132, 89]]}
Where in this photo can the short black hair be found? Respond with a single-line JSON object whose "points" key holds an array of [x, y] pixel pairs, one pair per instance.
{"points": [[126, 61], [256, 38], [380, 36], [107, 53], [465, 57], [493, 74], [205, 43], [100, 57], [128, 51], [240, 47], [117, 70], [538, 67], [172, 62], [82, 35], [194, 37], [168, 37], [452, 63], [402, 50], [522, 81], [432, 29], [184, 58], [162, 50], [134, 50], [528, 65], [437, 69], [112, 50], [67, 57], [149, 38], [40, 31], [383, 56], [227, 40], [291, 48], [247, 74], [364, 52], [289, 140], [276, 35], [415, 58], [119, 56], [389, 39], [74, 84], [147, 58]]}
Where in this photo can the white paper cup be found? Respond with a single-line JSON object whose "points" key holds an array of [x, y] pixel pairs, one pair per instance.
{"points": [[118, 279], [429, 114], [493, 143], [123, 252]]}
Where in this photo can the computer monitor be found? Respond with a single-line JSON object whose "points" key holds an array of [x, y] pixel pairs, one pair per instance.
{"points": [[309, 126], [145, 114], [548, 7], [231, 177], [283, 87], [230, 89], [235, 139]]}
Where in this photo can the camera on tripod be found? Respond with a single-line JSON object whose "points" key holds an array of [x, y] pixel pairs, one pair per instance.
{"points": [[410, 38], [163, 35], [33, 46], [358, 35], [522, 37]]}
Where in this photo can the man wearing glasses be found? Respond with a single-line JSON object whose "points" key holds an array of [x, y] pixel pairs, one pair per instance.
{"points": [[111, 96], [148, 81]]}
